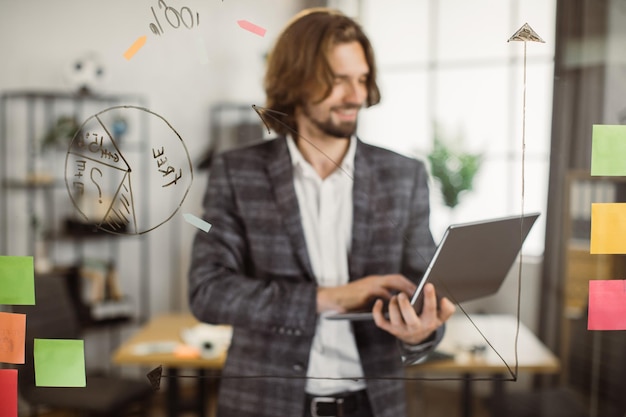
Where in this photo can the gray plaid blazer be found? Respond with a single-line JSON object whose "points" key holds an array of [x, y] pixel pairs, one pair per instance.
{"points": [[252, 271]]}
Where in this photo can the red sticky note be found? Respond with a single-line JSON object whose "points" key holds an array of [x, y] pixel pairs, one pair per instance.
{"points": [[607, 305], [8, 392], [12, 337]]}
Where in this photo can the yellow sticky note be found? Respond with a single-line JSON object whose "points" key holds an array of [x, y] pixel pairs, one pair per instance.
{"points": [[608, 228]]}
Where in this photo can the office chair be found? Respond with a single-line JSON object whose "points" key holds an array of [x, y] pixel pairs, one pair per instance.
{"points": [[54, 317]]}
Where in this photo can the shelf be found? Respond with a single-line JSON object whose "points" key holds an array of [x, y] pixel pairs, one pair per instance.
{"points": [[580, 266], [111, 310], [56, 271], [41, 182], [65, 95], [78, 230]]}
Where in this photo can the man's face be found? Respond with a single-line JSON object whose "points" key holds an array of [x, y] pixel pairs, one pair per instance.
{"points": [[336, 115]]}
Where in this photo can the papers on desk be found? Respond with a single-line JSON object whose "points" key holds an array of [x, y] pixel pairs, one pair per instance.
{"points": [[210, 340], [200, 341], [166, 347], [151, 348]]}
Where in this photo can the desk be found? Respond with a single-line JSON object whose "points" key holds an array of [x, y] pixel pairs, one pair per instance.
{"points": [[499, 330], [168, 328]]}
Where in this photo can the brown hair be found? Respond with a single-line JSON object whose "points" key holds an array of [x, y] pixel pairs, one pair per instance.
{"points": [[299, 63]]}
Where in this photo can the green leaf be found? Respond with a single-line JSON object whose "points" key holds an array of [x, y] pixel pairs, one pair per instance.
{"points": [[453, 170]]}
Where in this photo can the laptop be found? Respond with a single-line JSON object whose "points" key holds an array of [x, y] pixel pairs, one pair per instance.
{"points": [[471, 261]]}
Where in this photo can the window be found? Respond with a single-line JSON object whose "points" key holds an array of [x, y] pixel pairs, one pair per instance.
{"points": [[448, 62]]}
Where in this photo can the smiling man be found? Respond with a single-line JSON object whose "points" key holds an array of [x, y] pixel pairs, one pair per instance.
{"points": [[311, 223]]}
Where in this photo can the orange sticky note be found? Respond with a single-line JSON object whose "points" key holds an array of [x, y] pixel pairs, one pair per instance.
{"points": [[8, 392], [608, 228], [607, 305], [130, 52], [12, 337]]}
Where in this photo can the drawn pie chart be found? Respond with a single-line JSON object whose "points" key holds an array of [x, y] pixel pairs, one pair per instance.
{"points": [[127, 183]]}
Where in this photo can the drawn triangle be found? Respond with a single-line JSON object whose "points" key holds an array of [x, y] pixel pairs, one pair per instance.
{"points": [[154, 376], [120, 218], [526, 34], [262, 112], [99, 146]]}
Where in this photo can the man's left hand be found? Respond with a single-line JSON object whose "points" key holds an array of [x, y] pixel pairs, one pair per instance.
{"points": [[405, 324]]}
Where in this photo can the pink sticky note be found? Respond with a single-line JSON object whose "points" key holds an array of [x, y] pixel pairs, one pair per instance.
{"points": [[12, 337], [607, 305], [251, 27], [8, 392]]}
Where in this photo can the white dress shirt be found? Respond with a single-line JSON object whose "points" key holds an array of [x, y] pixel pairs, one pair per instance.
{"points": [[326, 211]]}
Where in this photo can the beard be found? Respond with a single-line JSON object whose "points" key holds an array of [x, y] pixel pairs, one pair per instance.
{"points": [[342, 130]]}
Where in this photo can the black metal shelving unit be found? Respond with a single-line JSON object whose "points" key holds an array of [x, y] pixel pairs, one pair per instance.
{"points": [[33, 193]]}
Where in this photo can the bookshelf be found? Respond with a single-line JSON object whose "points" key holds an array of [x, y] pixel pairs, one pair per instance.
{"points": [[38, 217], [577, 344]]}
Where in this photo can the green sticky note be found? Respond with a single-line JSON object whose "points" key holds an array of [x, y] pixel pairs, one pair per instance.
{"points": [[59, 363], [17, 280], [608, 150]]}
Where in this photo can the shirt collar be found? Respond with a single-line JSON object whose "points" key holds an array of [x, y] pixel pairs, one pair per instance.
{"points": [[297, 160]]}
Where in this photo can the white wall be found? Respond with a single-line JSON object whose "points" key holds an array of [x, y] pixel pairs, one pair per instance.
{"points": [[181, 73]]}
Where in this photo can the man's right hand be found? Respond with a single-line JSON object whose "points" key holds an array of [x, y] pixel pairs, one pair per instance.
{"points": [[359, 293]]}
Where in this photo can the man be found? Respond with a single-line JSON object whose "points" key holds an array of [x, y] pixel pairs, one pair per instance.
{"points": [[310, 223]]}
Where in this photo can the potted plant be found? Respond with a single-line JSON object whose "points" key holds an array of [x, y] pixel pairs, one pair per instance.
{"points": [[453, 168]]}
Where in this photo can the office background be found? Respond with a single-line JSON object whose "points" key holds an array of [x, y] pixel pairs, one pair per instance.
{"points": [[445, 68]]}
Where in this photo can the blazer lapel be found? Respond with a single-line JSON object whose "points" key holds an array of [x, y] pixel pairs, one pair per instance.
{"points": [[363, 188], [280, 171]]}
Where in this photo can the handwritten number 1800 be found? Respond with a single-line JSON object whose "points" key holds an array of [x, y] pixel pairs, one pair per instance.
{"points": [[174, 18]]}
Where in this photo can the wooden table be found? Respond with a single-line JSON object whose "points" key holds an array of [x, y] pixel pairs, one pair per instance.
{"points": [[474, 359], [461, 336], [167, 328]]}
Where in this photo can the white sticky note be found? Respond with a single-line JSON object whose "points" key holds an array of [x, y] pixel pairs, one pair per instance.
{"points": [[196, 221]]}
